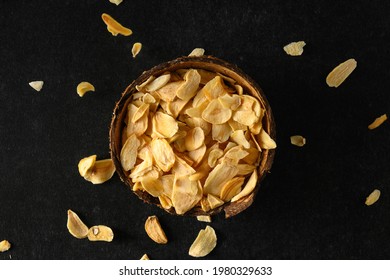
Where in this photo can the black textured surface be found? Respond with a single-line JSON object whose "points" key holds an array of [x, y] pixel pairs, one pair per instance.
{"points": [[312, 204]]}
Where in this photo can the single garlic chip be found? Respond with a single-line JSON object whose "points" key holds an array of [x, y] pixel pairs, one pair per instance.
{"points": [[298, 140], [232, 187], [216, 113], [220, 175], [213, 89], [4, 246], [182, 168], [152, 185], [204, 218], [197, 155], [100, 233], [115, 27], [37, 85], [164, 125], [85, 166], [204, 243], [377, 122], [128, 154], [167, 93], [338, 75], [197, 52], [158, 83], [238, 136], [249, 187], [140, 112], [145, 257], [188, 89], [185, 194], [138, 127], [155, 231], [214, 155], [194, 139], [373, 197], [136, 49], [116, 2], [294, 48], [265, 141], [221, 132], [205, 204], [163, 154], [96, 171], [214, 201], [145, 83], [245, 169], [75, 226], [102, 171], [84, 87]]}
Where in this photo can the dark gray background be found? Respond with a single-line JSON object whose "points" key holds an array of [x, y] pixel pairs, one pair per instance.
{"points": [[312, 204]]}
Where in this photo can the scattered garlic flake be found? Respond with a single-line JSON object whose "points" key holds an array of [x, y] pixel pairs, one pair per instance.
{"points": [[136, 49], [373, 197], [294, 48], [145, 257], [115, 27], [100, 233], [37, 85], [4, 246], [84, 87], [197, 52], [204, 243], [204, 218], [298, 140], [116, 2], [342, 71], [377, 122]]}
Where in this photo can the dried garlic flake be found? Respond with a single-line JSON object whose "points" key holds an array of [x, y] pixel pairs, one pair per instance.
{"points": [[86, 165], [4, 246], [75, 226], [102, 171], [298, 140], [265, 141], [96, 171], [294, 48], [154, 230], [84, 87], [249, 187], [341, 72], [204, 243], [377, 122], [116, 2], [145, 257], [197, 52], [204, 218], [115, 27], [136, 49], [37, 85], [373, 197], [100, 233]]}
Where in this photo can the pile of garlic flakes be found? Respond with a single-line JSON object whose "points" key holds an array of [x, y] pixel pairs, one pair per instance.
{"points": [[193, 138]]}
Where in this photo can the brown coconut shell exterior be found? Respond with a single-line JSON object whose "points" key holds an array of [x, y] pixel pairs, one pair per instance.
{"points": [[212, 64]]}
